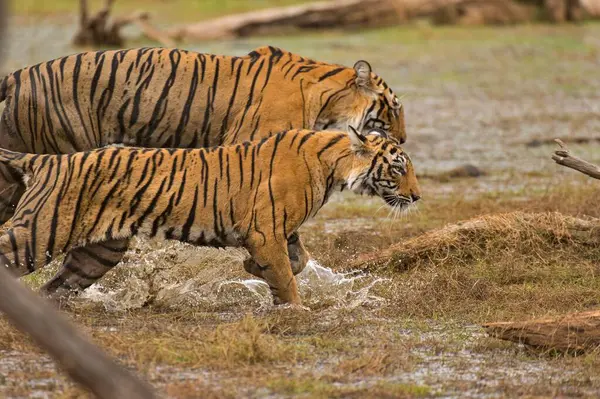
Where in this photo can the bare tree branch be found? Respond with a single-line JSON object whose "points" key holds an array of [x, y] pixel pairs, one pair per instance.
{"points": [[83, 12], [83, 361], [563, 157], [142, 20], [100, 29]]}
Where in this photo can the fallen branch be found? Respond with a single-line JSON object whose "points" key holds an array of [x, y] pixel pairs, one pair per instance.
{"points": [[577, 332], [83, 361], [563, 157]]}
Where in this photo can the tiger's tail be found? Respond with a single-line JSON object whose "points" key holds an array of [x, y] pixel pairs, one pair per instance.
{"points": [[19, 161]]}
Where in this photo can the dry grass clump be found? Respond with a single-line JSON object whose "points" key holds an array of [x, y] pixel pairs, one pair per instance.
{"points": [[492, 236], [501, 266]]}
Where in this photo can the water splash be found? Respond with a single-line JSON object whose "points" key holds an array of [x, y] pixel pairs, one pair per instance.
{"points": [[179, 276], [320, 286]]}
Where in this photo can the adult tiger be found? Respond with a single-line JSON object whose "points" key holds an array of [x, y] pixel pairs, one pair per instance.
{"points": [[154, 97], [255, 195]]}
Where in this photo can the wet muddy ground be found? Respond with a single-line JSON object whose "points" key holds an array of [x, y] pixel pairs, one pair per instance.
{"points": [[196, 325]]}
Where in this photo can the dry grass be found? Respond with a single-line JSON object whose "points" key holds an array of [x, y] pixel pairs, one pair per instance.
{"points": [[506, 266], [492, 238]]}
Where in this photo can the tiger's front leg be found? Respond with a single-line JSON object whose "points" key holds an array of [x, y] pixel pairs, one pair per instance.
{"points": [[271, 262]]}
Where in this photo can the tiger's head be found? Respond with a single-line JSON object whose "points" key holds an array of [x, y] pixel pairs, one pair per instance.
{"points": [[381, 168], [366, 102]]}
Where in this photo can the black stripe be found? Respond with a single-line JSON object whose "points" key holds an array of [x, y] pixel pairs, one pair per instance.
{"points": [[231, 100], [152, 204], [216, 209], [303, 140], [185, 114], [185, 230], [278, 138], [103, 206], [181, 187], [334, 141], [241, 168], [163, 217], [96, 78], [161, 103], [173, 172]]}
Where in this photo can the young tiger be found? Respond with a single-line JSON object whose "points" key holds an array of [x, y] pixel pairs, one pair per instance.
{"points": [[255, 195]]}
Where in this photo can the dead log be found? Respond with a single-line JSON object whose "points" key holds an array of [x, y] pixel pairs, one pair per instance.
{"points": [[350, 14], [100, 29], [319, 15], [96, 30], [484, 12], [591, 8], [563, 157], [577, 332], [142, 20], [559, 11]]}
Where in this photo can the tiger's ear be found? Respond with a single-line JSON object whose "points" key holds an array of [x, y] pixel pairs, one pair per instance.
{"points": [[363, 73], [357, 140]]}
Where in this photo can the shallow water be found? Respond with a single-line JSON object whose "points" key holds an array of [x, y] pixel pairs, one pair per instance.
{"points": [[175, 275]]}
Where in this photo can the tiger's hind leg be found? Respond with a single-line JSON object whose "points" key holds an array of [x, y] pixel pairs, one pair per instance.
{"points": [[11, 181], [83, 266], [298, 254], [11, 189], [270, 261]]}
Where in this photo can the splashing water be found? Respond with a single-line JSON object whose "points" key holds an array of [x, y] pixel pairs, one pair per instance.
{"points": [[320, 286], [178, 275]]}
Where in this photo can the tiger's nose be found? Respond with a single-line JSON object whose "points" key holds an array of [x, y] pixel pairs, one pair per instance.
{"points": [[415, 197]]}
